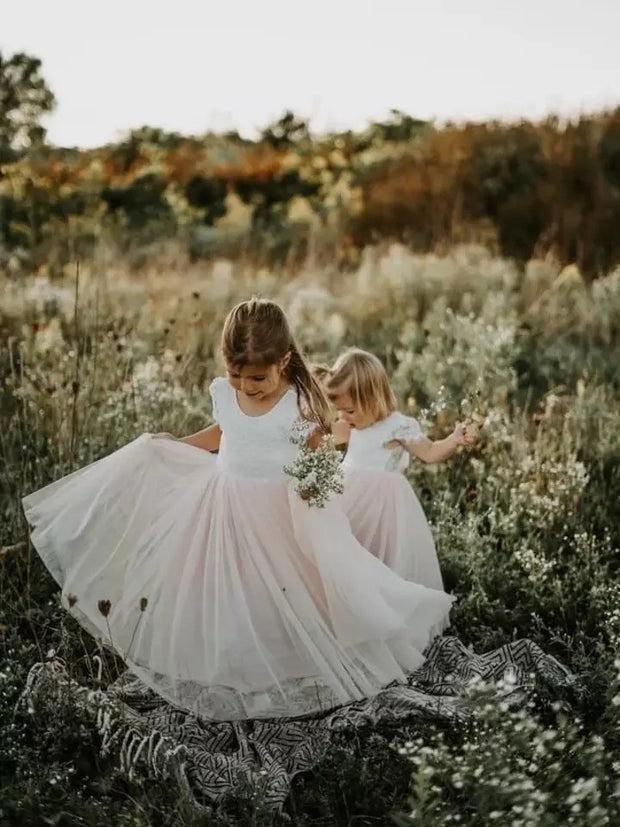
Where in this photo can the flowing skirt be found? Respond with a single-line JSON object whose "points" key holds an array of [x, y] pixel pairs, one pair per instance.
{"points": [[387, 519], [227, 595]]}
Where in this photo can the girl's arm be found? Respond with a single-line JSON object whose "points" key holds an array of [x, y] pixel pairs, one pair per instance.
{"points": [[314, 440], [430, 451], [208, 439], [341, 431]]}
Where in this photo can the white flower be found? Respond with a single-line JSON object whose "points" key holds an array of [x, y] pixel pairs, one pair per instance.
{"points": [[310, 480], [317, 474]]}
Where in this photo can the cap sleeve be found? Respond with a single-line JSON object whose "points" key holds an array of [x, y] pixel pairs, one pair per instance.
{"points": [[407, 430], [301, 430], [216, 389]]}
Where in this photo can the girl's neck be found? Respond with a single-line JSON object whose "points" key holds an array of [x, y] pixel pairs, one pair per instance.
{"points": [[257, 407]]}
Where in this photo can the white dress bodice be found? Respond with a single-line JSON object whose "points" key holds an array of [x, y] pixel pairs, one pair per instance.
{"points": [[367, 445], [257, 446]]}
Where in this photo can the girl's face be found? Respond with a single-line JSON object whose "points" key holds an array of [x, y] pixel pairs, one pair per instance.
{"points": [[258, 382], [351, 413]]}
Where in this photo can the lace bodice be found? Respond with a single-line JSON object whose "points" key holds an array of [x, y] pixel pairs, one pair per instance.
{"points": [[257, 446], [367, 446]]}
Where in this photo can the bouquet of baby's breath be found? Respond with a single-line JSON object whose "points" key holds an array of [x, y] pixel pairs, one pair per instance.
{"points": [[318, 473]]}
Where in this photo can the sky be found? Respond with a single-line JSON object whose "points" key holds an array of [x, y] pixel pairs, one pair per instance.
{"points": [[192, 66]]}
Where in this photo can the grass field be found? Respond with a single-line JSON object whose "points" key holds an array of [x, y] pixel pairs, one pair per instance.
{"points": [[527, 524]]}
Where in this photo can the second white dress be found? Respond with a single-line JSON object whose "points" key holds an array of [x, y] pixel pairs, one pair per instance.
{"points": [[385, 513]]}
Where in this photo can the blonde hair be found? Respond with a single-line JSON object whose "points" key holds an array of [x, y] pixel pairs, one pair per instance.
{"points": [[256, 332], [363, 377]]}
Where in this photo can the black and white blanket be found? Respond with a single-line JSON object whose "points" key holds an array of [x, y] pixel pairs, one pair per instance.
{"points": [[213, 759]]}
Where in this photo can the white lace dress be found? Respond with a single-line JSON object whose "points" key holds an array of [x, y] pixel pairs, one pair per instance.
{"points": [[385, 513], [257, 605]]}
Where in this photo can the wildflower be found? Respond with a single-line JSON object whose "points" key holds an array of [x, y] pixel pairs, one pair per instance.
{"points": [[317, 474], [104, 607]]}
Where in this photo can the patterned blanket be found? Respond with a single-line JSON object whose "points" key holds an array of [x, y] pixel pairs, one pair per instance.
{"points": [[213, 759]]}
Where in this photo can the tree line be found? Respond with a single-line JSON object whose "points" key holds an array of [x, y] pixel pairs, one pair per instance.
{"points": [[525, 189]]}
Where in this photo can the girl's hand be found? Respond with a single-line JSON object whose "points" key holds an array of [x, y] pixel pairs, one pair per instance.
{"points": [[341, 431], [308, 493], [472, 435], [466, 433]]}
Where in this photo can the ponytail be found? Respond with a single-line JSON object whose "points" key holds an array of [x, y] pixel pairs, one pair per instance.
{"points": [[315, 406]]}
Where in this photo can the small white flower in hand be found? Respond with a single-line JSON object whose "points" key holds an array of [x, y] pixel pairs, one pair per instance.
{"points": [[317, 474], [466, 432], [310, 480], [472, 434]]}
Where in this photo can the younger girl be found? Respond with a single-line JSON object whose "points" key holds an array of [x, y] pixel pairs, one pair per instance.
{"points": [[384, 512], [219, 586]]}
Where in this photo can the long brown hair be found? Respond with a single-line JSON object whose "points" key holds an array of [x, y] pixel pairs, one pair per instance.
{"points": [[256, 332]]}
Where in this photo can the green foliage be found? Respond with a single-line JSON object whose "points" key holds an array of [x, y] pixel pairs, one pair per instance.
{"points": [[287, 131], [398, 128], [24, 99], [207, 194], [142, 203], [522, 189], [512, 768], [509, 176], [609, 151], [527, 524]]}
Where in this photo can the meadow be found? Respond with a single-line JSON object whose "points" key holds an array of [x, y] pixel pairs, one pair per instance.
{"points": [[527, 523]]}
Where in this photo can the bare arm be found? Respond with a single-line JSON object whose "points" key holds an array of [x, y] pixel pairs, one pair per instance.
{"points": [[208, 439], [430, 451], [340, 430], [314, 440]]}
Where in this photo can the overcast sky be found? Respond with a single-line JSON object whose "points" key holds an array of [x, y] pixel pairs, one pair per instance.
{"points": [[194, 65]]}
